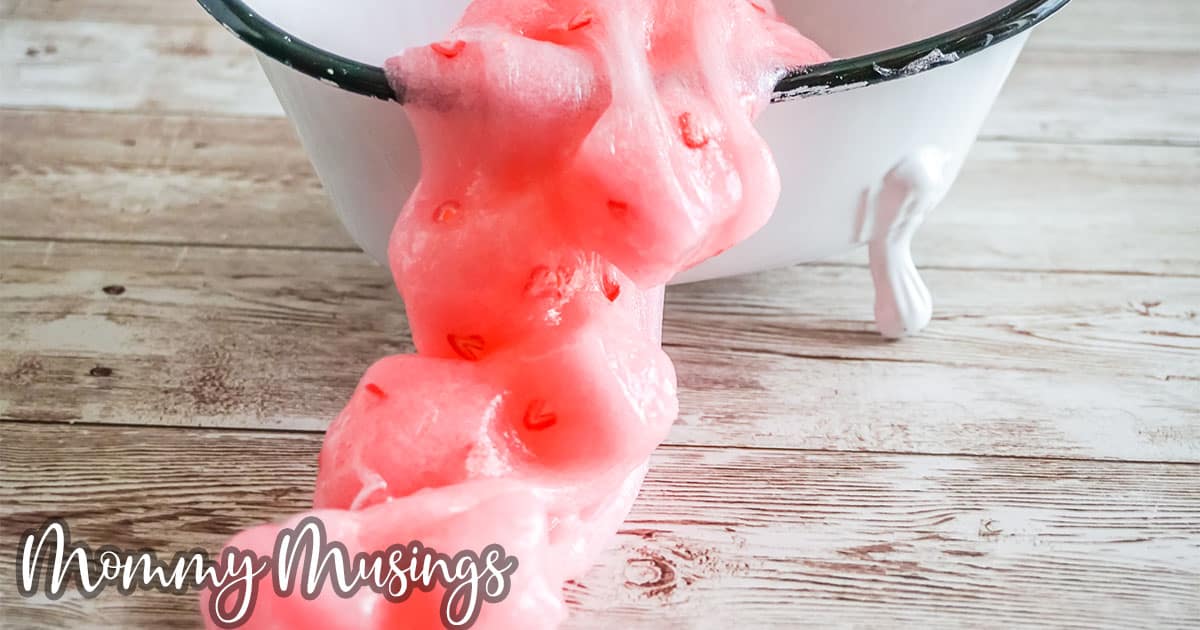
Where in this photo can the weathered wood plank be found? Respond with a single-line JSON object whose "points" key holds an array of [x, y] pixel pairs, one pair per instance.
{"points": [[1141, 84], [1124, 209], [169, 203], [246, 181], [1125, 97], [122, 11], [1161, 25], [240, 181], [120, 66], [1164, 25], [1109, 25], [1018, 363], [1106, 71], [203, 143], [759, 537]]}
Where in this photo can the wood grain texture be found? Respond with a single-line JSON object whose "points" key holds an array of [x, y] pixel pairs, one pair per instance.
{"points": [[167, 257], [1115, 25], [722, 536], [121, 11], [1165, 25], [1107, 71], [246, 181], [121, 66], [235, 181], [1120, 97], [1074, 84], [1021, 363]]}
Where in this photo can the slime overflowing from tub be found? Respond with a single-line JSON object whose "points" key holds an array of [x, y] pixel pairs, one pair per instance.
{"points": [[576, 155]]}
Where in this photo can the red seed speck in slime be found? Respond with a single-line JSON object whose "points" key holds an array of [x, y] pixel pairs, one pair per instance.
{"points": [[581, 20], [540, 388], [447, 212], [610, 286], [537, 418], [468, 347], [450, 49], [555, 284], [543, 283], [693, 134]]}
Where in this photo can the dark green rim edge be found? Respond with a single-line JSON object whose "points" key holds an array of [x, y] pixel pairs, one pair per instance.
{"points": [[834, 76]]}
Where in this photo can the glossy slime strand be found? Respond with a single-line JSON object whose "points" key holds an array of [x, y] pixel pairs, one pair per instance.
{"points": [[575, 156]]}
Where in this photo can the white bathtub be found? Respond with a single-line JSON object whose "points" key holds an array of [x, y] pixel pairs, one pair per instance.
{"points": [[866, 146]]}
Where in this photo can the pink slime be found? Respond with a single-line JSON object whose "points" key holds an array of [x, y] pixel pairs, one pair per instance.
{"points": [[576, 155]]}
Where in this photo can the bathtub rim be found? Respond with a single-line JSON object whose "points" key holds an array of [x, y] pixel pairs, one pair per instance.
{"points": [[834, 76]]}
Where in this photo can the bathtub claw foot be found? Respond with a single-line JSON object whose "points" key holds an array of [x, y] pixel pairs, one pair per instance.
{"points": [[903, 305]]}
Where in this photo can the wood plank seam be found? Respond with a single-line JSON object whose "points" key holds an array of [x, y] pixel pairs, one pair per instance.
{"points": [[268, 431], [830, 264]]}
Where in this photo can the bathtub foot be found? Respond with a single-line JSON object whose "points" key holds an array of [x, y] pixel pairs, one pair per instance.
{"points": [[903, 305]]}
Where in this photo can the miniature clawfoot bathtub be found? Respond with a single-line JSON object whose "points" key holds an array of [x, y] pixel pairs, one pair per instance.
{"points": [[866, 145]]}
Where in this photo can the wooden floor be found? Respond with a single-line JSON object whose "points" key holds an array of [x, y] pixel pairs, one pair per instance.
{"points": [[181, 315]]}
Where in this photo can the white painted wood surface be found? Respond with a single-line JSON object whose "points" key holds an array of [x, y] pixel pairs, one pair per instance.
{"points": [[1032, 460], [722, 537]]}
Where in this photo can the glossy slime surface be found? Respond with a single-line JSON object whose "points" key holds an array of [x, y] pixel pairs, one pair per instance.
{"points": [[576, 155]]}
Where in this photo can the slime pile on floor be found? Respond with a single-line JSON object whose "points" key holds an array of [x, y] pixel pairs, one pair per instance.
{"points": [[576, 155]]}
